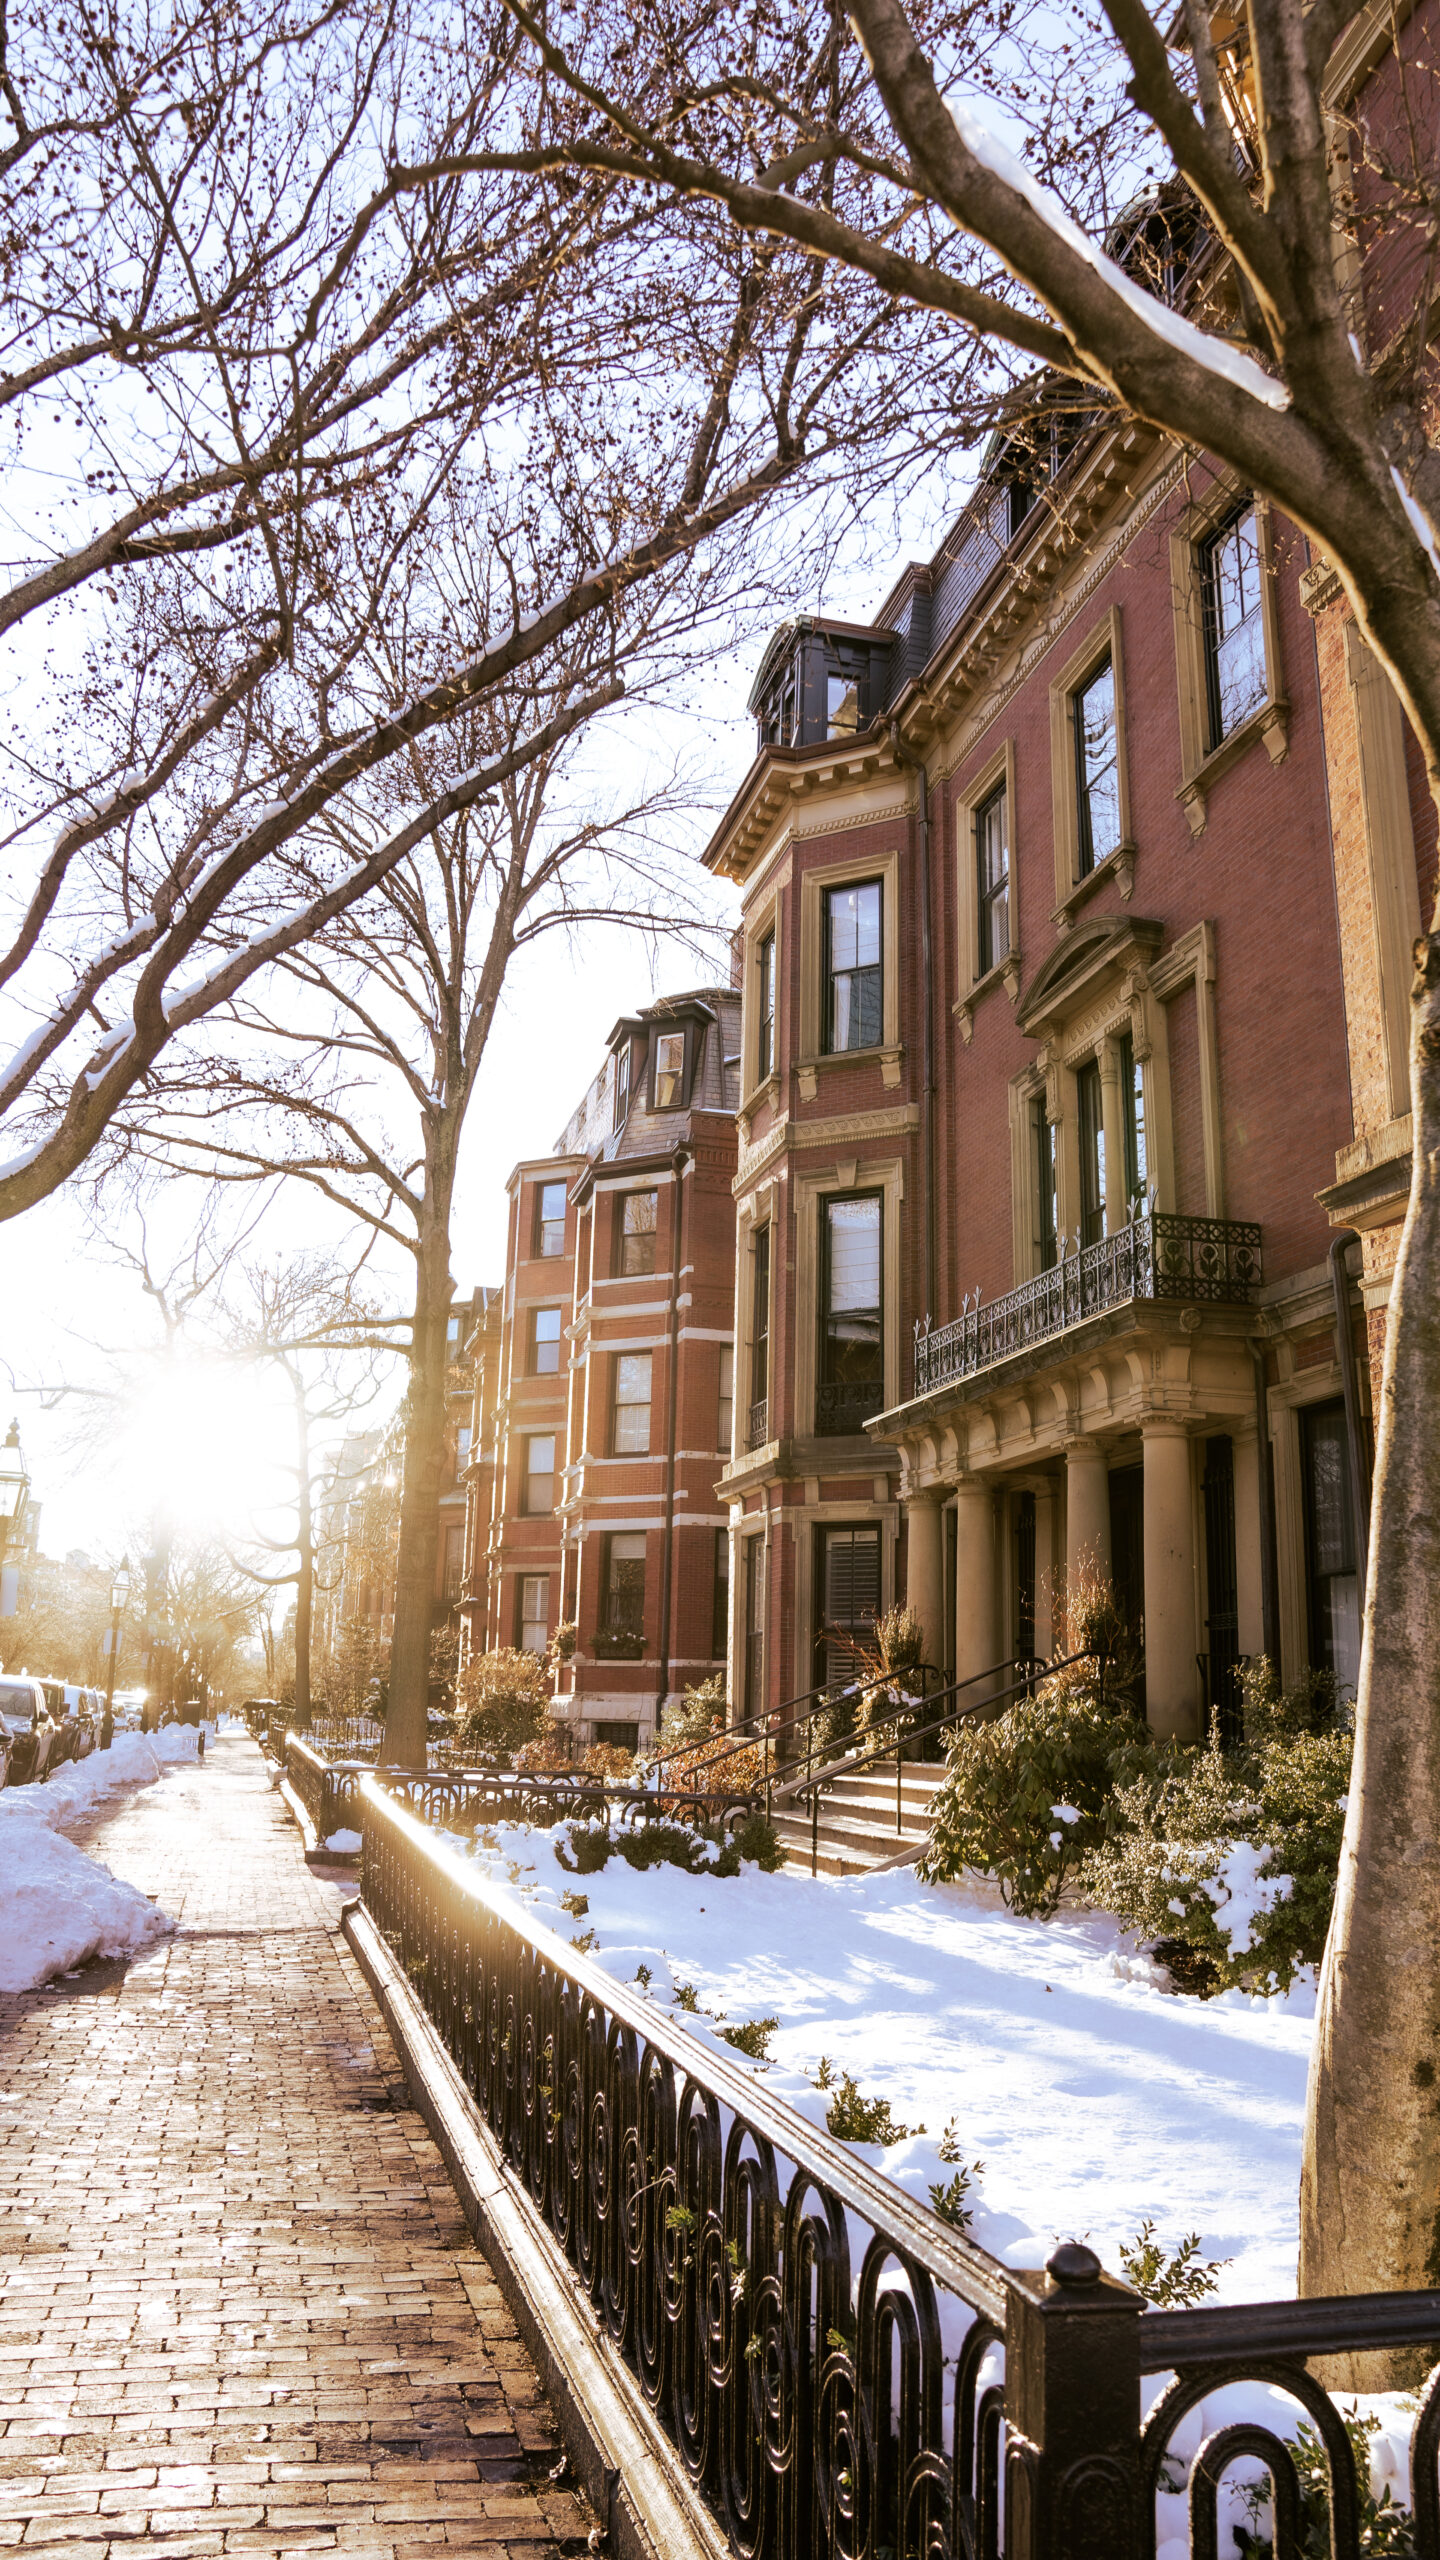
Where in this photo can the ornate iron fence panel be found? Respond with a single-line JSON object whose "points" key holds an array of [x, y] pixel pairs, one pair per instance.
{"points": [[1210, 1261], [841, 2375]]}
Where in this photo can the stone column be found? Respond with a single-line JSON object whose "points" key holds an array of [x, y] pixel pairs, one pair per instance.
{"points": [[1087, 1512], [975, 1613], [924, 1572], [1112, 1121], [1172, 1682]]}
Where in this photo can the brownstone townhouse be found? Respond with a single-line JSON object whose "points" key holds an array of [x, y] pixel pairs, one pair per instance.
{"points": [[1044, 1064], [613, 1414]]}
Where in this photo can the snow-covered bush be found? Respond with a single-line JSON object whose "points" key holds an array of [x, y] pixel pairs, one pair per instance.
{"points": [[1028, 1797], [502, 1700], [695, 1748], [1235, 1854]]}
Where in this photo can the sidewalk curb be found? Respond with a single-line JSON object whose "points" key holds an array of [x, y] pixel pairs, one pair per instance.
{"points": [[630, 2472], [316, 1854]]}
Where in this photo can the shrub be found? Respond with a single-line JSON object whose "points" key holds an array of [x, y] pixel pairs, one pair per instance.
{"points": [[1386, 2530], [751, 2037], [590, 1845], [607, 1760], [503, 1700], [758, 1841], [852, 2118], [551, 1753], [664, 1844], [1232, 1857], [695, 1741], [1169, 2279], [1028, 1796]]}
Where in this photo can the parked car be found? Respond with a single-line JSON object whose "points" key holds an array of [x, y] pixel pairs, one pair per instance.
{"points": [[29, 1728]]}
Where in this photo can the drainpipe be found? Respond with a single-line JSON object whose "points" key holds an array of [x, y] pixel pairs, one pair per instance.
{"points": [[678, 1161], [1269, 1576], [1350, 1389], [906, 756]]}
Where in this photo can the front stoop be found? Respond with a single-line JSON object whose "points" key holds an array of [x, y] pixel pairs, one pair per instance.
{"points": [[625, 2463], [857, 1829]]}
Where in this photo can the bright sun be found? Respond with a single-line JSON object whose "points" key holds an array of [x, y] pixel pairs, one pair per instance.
{"points": [[209, 1442]]}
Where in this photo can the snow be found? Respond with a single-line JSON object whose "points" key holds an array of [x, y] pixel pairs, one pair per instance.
{"points": [[1229, 363], [1093, 2094], [344, 1843], [1419, 519], [58, 1907]]}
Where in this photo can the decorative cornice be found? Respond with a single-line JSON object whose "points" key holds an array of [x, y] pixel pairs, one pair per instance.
{"points": [[859, 1128]]}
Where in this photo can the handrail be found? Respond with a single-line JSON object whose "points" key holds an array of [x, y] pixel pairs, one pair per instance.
{"points": [[885, 1751], [850, 1767], [771, 1726]]}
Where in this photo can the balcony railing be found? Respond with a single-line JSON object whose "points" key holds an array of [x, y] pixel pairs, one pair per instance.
{"points": [[759, 1430], [844, 1406], [1207, 1261]]}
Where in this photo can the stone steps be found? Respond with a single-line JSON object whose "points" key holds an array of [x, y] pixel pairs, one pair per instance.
{"points": [[857, 1828]]}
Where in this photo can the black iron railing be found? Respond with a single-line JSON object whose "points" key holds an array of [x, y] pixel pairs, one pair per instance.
{"points": [[759, 1428], [1206, 1261], [329, 1791], [840, 2374], [843, 1405]]}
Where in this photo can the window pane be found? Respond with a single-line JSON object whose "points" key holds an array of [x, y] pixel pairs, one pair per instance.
{"points": [[622, 1084], [1098, 777], [540, 1472], [1045, 1204], [625, 1588], [842, 705], [632, 1403], [534, 1612], [760, 1319], [854, 1254], [669, 1070], [992, 853], [1092, 1154], [638, 1232], [552, 1217], [853, 959], [1235, 632], [765, 1045], [851, 1351], [1137, 1167], [851, 1587], [547, 1341], [720, 1605], [727, 1396]]}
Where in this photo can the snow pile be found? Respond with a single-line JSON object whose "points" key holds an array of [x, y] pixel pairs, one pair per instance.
{"points": [[58, 1907]]}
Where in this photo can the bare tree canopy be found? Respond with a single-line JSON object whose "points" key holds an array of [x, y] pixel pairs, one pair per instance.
{"points": [[252, 353]]}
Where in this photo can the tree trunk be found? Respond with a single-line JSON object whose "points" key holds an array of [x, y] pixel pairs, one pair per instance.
{"points": [[405, 1738], [305, 1543], [1370, 2189]]}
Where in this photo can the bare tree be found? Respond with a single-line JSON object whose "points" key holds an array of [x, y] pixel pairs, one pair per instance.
{"points": [[260, 326], [381, 1025], [964, 158], [304, 1318]]}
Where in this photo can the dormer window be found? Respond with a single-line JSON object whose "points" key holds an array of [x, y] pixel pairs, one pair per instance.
{"points": [[622, 1086], [842, 706], [669, 1070]]}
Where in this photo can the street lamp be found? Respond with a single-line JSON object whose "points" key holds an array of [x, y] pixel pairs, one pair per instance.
{"points": [[119, 1599], [14, 1487]]}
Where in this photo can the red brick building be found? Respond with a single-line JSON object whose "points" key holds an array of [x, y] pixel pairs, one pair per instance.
{"points": [[615, 1354], [1043, 1066]]}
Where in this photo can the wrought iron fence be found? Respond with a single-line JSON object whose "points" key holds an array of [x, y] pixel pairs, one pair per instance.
{"points": [[1206, 1261], [759, 1429], [843, 1406], [840, 2373], [329, 1790]]}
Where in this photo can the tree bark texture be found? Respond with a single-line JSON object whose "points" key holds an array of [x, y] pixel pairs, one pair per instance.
{"points": [[1370, 2189]]}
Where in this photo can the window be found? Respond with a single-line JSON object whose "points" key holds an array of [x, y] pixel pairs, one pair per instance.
{"points": [[622, 1085], [765, 1023], [992, 865], [1231, 572], [1330, 1545], [550, 1220], [454, 1565], [1092, 1153], [617, 1735], [842, 706], [669, 1070], [759, 1338], [638, 1222], [1097, 769], [463, 1438], [852, 967], [534, 1612], [720, 1605], [540, 1474], [1046, 1216], [545, 1342], [851, 1384], [625, 1583], [849, 1587], [452, 1336], [1132, 1103], [630, 1428], [754, 1630], [725, 1418]]}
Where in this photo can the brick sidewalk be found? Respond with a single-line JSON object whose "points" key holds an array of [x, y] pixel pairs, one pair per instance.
{"points": [[239, 2307]]}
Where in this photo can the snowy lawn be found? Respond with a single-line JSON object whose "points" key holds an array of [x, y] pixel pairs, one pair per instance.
{"points": [[1093, 2096], [58, 1907]]}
